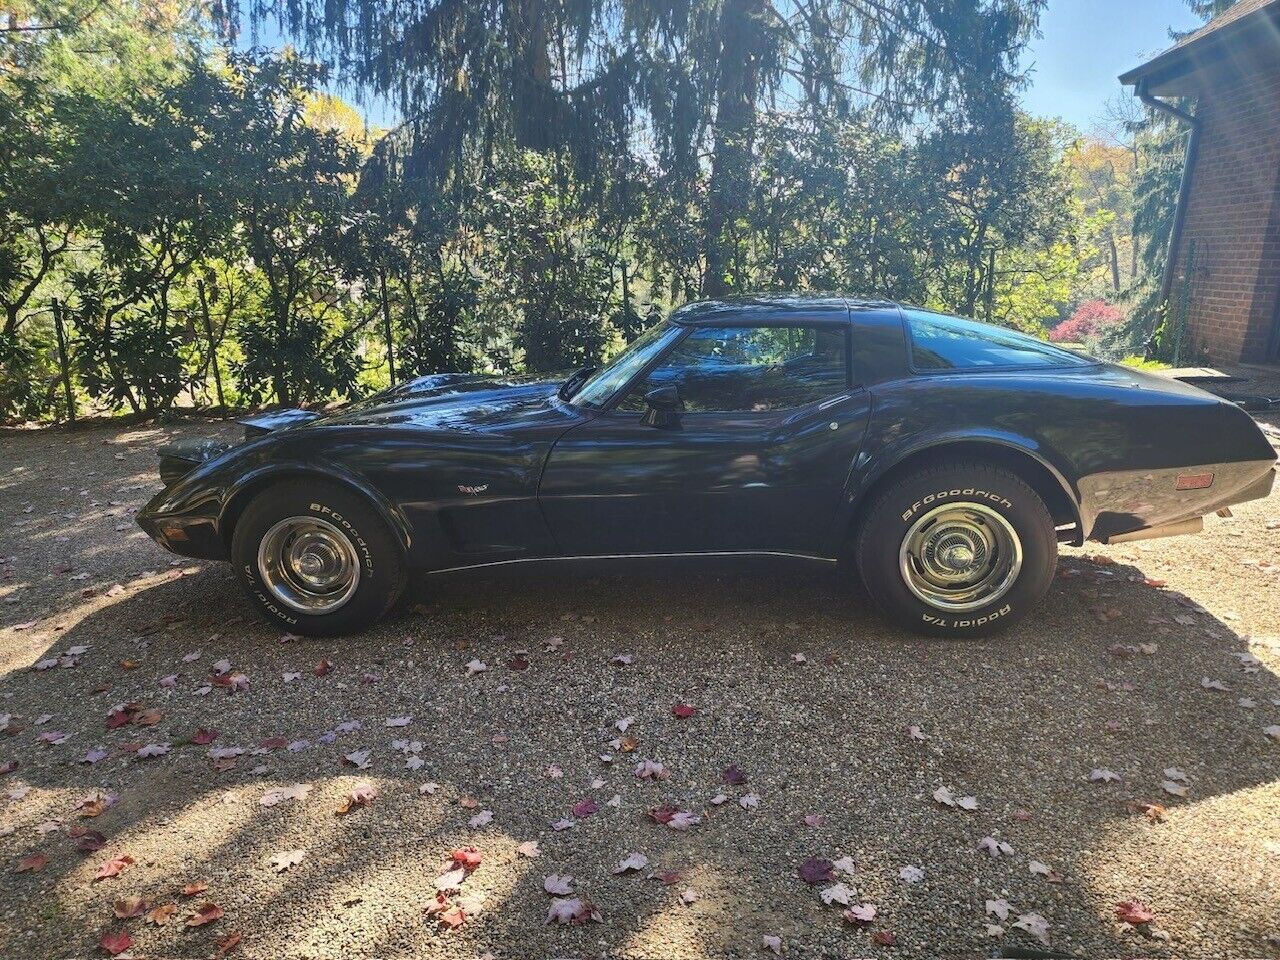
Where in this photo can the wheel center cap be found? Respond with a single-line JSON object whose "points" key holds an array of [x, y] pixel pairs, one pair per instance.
{"points": [[958, 557]]}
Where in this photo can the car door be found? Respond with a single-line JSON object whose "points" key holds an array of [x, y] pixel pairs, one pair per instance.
{"points": [[757, 459]]}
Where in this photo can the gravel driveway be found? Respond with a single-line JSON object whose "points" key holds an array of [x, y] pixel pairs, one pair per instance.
{"points": [[820, 746]]}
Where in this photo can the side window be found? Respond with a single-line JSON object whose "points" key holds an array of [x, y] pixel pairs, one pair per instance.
{"points": [[726, 369], [939, 342]]}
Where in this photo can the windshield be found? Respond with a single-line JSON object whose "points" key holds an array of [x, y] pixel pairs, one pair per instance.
{"points": [[607, 381]]}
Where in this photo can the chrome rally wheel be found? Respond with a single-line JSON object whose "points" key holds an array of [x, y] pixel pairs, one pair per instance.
{"points": [[960, 557], [961, 549], [309, 565]]}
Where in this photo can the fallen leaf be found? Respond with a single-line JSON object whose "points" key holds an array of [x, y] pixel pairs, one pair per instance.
{"points": [[361, 795], [836, 893], [558, 885], [883, 938], [283, 861], [481, 819], [113, 867], [1135, 912], [127, 907], [191, 889], [733, 776], [684, 711], [160, 915], [633, 861], [321, 669], [529, 849], [116, 943], [815, 870], [229, 943], [572, 910], [994, 847], [31, 864], [1103, 775], [772, 943], [1034, 924], [203, 737], [862, 913], [585, 808], [911, 874], [205, 913]]}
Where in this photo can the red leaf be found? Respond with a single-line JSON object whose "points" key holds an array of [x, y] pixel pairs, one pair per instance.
{"points": [[323, 667], [518, 663], [1135, 912], [466, 857], [115, 943], [662, 814], [90, 840], [32, 863], [585, 808], [684, 711], [452, 917], [113, 867], [815, 870], [274, 743], [203, 737], [191, 889], [205, 913], [884, 938], [733, 777]]}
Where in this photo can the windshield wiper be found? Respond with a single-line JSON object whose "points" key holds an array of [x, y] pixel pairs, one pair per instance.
{"points": [[575, 382]]}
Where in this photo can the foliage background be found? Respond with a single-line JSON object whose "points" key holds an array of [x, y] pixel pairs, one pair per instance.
{"points": [[214, 227]]}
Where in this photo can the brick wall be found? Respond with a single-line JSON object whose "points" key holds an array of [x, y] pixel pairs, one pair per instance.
{"points": [[1234, 214]]}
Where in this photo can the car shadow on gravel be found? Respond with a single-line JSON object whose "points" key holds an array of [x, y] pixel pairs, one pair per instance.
{"points": [[794, 681]]}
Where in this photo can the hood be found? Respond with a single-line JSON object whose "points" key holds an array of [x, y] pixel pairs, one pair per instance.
{"points": [[453, 401]]}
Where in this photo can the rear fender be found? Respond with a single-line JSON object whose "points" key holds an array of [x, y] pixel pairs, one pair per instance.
{"points": [[877, 464]]}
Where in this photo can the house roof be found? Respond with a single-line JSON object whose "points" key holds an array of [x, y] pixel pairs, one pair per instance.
{"points": [[1249, 24]]}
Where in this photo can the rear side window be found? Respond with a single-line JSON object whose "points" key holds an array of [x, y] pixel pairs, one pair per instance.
{"points": [[940, 342]]}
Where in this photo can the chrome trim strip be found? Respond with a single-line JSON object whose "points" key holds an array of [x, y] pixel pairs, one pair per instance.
{"points": [[642, 556], [833, 401]]}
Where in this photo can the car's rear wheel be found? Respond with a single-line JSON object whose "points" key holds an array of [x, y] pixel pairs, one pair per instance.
{"points": [[317, 559], [961, 549]]}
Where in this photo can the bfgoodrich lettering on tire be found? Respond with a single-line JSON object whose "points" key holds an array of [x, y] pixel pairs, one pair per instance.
{"points": [[961, 549], [317, 558]]}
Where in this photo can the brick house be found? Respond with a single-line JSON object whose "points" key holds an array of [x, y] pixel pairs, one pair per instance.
{"points": [[1223, 274]]}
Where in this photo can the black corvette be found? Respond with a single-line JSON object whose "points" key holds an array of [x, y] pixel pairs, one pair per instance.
{"points": [[946, 459]]}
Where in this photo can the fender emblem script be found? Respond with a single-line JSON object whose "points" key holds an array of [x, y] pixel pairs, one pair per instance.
{"points": [[473, 491]]}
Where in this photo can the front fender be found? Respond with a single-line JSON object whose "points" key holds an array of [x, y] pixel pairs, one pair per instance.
{"points": [[195, 516]]}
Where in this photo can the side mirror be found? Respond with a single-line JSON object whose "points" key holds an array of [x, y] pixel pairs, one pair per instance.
{"points": [[664, 407]]}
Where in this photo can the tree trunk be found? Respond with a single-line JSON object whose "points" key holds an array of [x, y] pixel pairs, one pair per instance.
{"points": [[742, 36], [1115, 262]]}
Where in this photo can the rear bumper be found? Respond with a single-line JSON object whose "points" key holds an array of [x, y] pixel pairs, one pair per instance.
{"points": [[1149, 501]]}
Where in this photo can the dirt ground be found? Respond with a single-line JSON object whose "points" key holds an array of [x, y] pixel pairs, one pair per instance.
{"points": [[1150, 664]]}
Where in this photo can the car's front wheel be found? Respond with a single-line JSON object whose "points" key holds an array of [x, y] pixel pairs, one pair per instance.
{"points": [[317, 559], [961, 549]]}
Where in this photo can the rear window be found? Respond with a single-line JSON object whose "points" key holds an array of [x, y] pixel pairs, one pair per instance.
{"points": [[940, 342]]}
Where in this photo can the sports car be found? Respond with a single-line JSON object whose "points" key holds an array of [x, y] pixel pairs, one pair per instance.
{"points": [[940, 459]]}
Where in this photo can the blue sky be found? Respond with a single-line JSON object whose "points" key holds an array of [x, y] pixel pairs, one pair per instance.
{"points": [[1086, 44]]}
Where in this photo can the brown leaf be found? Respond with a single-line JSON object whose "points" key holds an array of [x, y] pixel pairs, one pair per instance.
{"points": [[229, 943], [191, 889], [31, 864], [203, 737], [628, 743], [884, 938], [205, 913], [160, 915], [134, 906], [147, 718], [322, 668], [1135, 912]]}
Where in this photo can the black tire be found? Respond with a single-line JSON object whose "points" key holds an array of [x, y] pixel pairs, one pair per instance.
{"points": [[375, 551], [909, 501]]}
